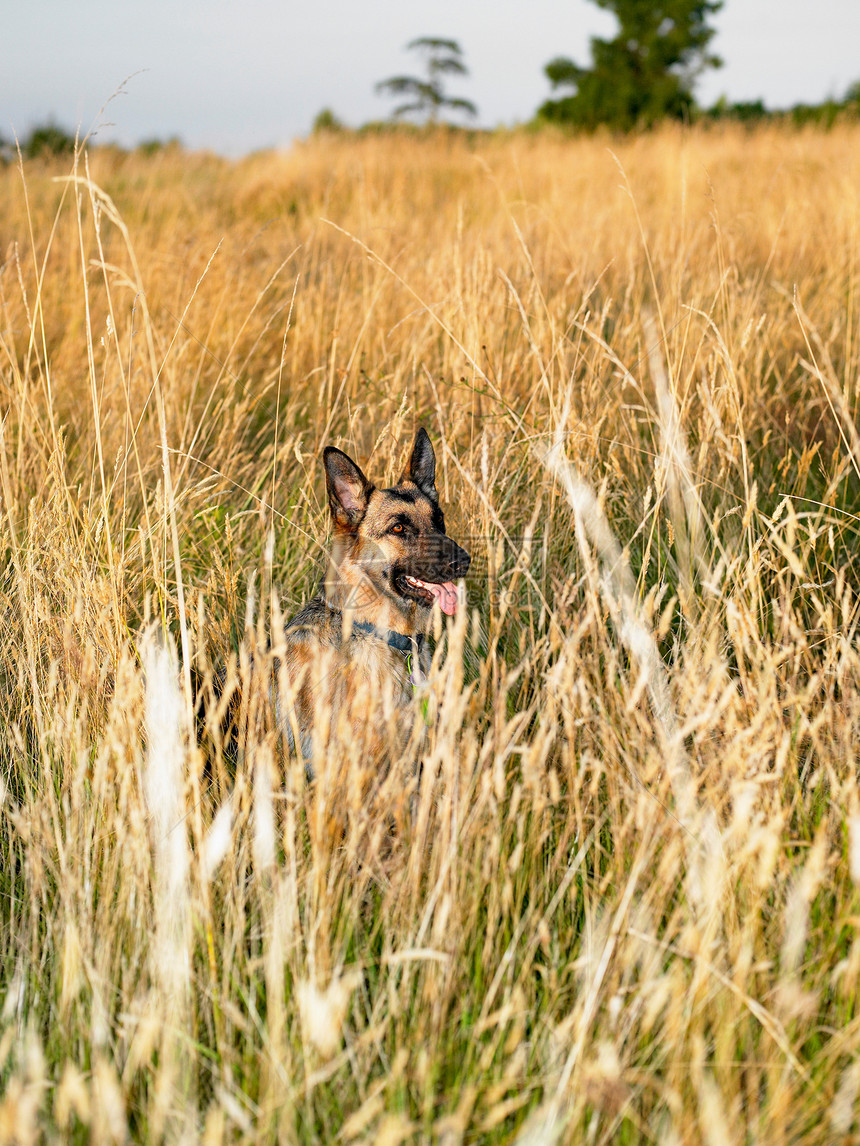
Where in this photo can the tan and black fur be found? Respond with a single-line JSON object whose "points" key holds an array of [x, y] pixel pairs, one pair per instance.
{"points": [[352, 655]]}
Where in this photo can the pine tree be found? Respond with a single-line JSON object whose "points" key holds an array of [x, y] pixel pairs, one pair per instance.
{"points": [[645, 73], [427, 96]]}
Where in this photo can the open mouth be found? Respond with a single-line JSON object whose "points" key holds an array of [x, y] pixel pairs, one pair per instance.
{"points": [[426, 592]]}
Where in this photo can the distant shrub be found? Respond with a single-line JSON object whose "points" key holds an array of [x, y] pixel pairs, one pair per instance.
{"points": [[48, 139], [326, 120], [154, 146], [824, 114], [820, 114], [745, 111]]}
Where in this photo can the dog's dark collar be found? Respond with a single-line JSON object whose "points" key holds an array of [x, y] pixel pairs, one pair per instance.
{"points": [[394, 640]]}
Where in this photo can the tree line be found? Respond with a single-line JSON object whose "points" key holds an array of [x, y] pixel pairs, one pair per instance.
{"points": [[642, 75], [645, 73], [49, 139]]}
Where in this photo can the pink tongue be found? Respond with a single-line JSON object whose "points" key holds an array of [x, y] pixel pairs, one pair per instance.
{"points": [[445, 594]]}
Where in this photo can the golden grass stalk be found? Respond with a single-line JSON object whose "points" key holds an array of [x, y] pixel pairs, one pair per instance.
{"points": [[612, 574], [164, 783], [164, 787]]}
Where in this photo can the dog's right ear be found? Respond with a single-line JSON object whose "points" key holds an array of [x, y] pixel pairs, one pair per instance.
{"points": [[348, 489]]}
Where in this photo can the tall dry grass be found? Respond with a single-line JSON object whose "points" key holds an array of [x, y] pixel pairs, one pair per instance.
{"points": [[622, 904]]}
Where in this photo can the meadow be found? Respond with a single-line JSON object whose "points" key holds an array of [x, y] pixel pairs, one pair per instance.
{"points": [[623, 903]]}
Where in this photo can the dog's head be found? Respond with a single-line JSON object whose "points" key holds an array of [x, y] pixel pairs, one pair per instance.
{"points": [[392, 541]]}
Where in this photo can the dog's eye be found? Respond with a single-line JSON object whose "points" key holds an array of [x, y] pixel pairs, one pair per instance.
{"points": [[398, 528]]}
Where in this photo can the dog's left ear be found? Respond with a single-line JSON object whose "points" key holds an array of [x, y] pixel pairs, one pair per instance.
{"points": [[422, 465]]}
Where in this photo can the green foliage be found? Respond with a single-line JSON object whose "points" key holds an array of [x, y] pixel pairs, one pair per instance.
{"points": [[825, 114], [155, 145], [48, 139], [744, 111], [644, 74], [820, 114], [326, 120], [426, 97]]}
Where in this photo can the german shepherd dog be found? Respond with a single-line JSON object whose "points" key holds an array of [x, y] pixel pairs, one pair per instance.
{"points": [[354, 654]]}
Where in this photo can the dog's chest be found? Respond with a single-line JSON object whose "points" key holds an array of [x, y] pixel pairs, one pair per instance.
{"points": [[385, 670]]}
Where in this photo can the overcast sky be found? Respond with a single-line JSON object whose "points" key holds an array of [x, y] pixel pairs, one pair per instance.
{"points": [[235, 75]]}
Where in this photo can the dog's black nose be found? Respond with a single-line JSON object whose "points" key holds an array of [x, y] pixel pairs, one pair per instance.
{"points": [[460, 562]]}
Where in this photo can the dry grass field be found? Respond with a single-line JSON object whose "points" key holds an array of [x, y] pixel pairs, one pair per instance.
{"points": [[623, 904]]}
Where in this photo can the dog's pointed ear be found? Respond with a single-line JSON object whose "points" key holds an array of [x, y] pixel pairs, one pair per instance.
{"points": [[348, 489], [422, 465]]}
